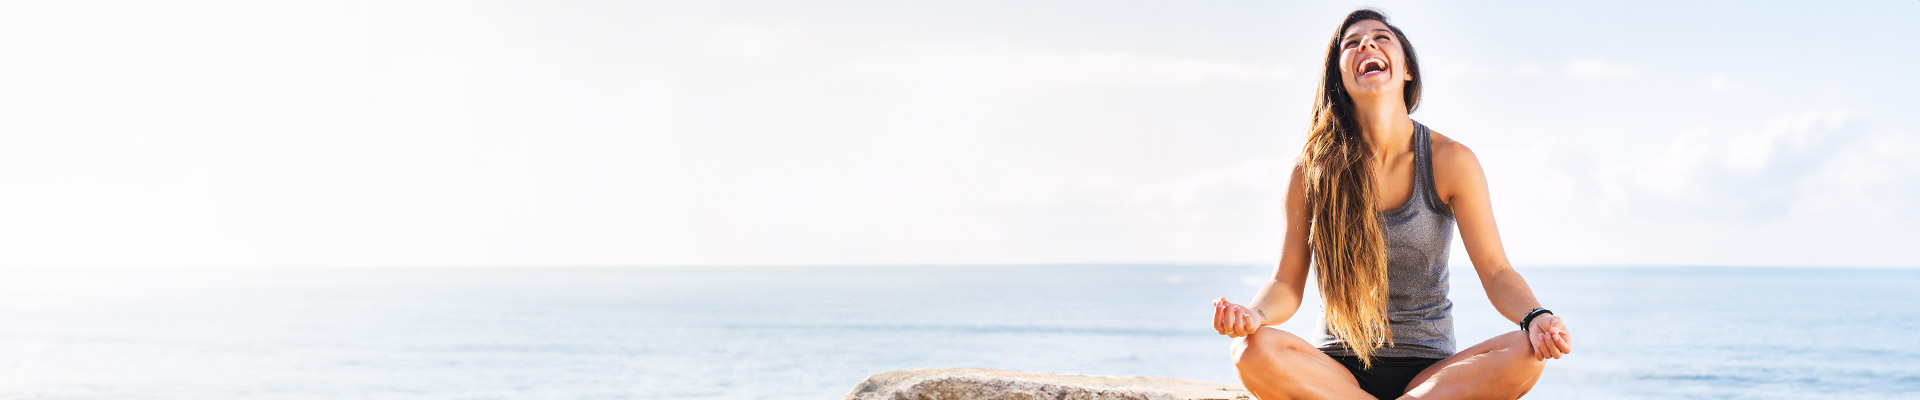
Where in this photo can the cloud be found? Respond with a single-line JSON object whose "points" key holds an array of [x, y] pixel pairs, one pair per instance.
{"points": [[1594, 68], [1528, 71], [1193, 70], [971, 66], [1264, 173], [1810, 188], [1869, 183], [1744, 175], [1719, 83], [746, 42]]}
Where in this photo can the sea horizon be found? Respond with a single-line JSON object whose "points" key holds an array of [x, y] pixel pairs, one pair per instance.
{"points": [[814, 332]]}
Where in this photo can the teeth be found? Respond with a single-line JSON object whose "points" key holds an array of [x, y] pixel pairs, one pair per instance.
{"points": [[1373, 65]]}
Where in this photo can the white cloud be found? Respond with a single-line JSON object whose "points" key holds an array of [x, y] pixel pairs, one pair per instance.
{"points": [[1719, 83], [738, 41], [1259, 173], [1781, 137], [1813, 188], [1742, 174], [1027, 67], [1192, 70], [1871, 183], [1529, 71], [1594, 68]]}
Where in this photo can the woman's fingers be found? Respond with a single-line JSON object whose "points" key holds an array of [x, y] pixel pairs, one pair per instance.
{"points": [[1226, 320], [1239, 323], [1546, 341], [1553, 338], [1219, 325], [1546, 346], [1564, 340], [1223, 317], [1219, 318], [1247, 322], [1250, 322], [1542, 334], [1233, 321], [1533, 342]]}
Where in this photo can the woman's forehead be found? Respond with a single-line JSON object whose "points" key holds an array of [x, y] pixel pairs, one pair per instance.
{"points": [[1364, 26]]}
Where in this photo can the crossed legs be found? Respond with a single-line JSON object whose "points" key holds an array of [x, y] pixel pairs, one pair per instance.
{"points": [[1503, 367], [1275, 364]]}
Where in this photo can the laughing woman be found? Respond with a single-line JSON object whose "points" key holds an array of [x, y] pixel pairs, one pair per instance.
{"points": [[1372, 205]]}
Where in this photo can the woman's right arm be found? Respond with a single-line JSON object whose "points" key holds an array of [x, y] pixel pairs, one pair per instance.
{"points": [[1279, 298]]}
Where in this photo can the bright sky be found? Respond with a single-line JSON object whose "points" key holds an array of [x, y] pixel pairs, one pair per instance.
{"points": [[405, 133]]}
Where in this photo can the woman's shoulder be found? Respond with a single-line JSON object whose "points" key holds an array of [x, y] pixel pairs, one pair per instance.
{"points": [[1451, 155], [1455, 168]]}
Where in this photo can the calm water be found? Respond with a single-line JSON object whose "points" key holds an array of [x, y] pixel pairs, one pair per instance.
{"points": [[814, 332]]}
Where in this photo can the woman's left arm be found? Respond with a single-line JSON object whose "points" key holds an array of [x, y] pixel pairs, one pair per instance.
{"points": [[1464, 189]]}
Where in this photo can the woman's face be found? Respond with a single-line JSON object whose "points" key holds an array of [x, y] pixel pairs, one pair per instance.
{"points": [[1372, 63]]}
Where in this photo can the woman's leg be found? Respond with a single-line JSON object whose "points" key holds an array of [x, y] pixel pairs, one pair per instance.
{"points": [[1500, 368], [1277, 365]]}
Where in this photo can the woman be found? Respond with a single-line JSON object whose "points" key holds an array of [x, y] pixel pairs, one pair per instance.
{"points": [[1373, 201]]}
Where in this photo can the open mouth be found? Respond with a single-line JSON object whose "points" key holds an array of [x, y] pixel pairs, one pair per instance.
{"points": [[1372, 65]]}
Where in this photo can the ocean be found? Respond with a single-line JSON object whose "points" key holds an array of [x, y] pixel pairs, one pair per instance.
{"points": [[813, 332]]}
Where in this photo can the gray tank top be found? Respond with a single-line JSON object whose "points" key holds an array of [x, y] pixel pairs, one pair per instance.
{"points": [[1418, 234]]}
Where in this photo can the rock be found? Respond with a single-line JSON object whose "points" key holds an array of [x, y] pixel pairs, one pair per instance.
{"points": [[979, 383]]}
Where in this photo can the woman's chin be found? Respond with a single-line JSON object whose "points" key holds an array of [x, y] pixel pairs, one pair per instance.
{"points": [[1363, 89]]}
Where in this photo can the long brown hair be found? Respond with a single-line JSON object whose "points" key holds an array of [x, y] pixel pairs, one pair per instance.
{"points": [[1349, 250]]}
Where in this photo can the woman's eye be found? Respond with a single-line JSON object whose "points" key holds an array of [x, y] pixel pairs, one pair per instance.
{"points": [[1348, 44], [1381, 37]]}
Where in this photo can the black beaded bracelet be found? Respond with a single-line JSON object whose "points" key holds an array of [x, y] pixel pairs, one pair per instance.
{"points": [[1528, 321]]}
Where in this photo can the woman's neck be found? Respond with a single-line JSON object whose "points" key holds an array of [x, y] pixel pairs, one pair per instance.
{"points": [[1386, 127]]}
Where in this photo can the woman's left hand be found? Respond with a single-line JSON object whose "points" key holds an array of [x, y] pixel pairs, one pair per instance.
{"points": [[1550, 337]]}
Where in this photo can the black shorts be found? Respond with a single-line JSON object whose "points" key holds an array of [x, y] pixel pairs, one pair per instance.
{"points": [[1389, 376]]}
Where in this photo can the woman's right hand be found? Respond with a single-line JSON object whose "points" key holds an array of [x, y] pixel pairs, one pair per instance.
{"points": [[1233, 320]]}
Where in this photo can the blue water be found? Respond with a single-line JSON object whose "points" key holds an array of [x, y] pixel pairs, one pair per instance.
{"points": [[814, 332]]}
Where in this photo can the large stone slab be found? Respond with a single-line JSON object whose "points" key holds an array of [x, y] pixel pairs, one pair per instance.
{"points": [[979, 383]]}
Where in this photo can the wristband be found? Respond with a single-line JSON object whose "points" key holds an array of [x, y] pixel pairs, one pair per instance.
{"points": [[1526, 322]]}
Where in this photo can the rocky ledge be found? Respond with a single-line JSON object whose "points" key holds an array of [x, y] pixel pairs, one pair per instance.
{"points": [[978, 383]]}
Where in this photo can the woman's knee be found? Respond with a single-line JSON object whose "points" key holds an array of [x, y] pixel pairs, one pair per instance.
{"points": [[1265, 344], [1512, 342], [1519, 346], [1529, 365]]}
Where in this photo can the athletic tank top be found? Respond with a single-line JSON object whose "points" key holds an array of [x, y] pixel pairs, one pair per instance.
{"points": [[1418, 234]]}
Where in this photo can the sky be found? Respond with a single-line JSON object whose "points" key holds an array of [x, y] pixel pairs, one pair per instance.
{"points": [[574, 133]]}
